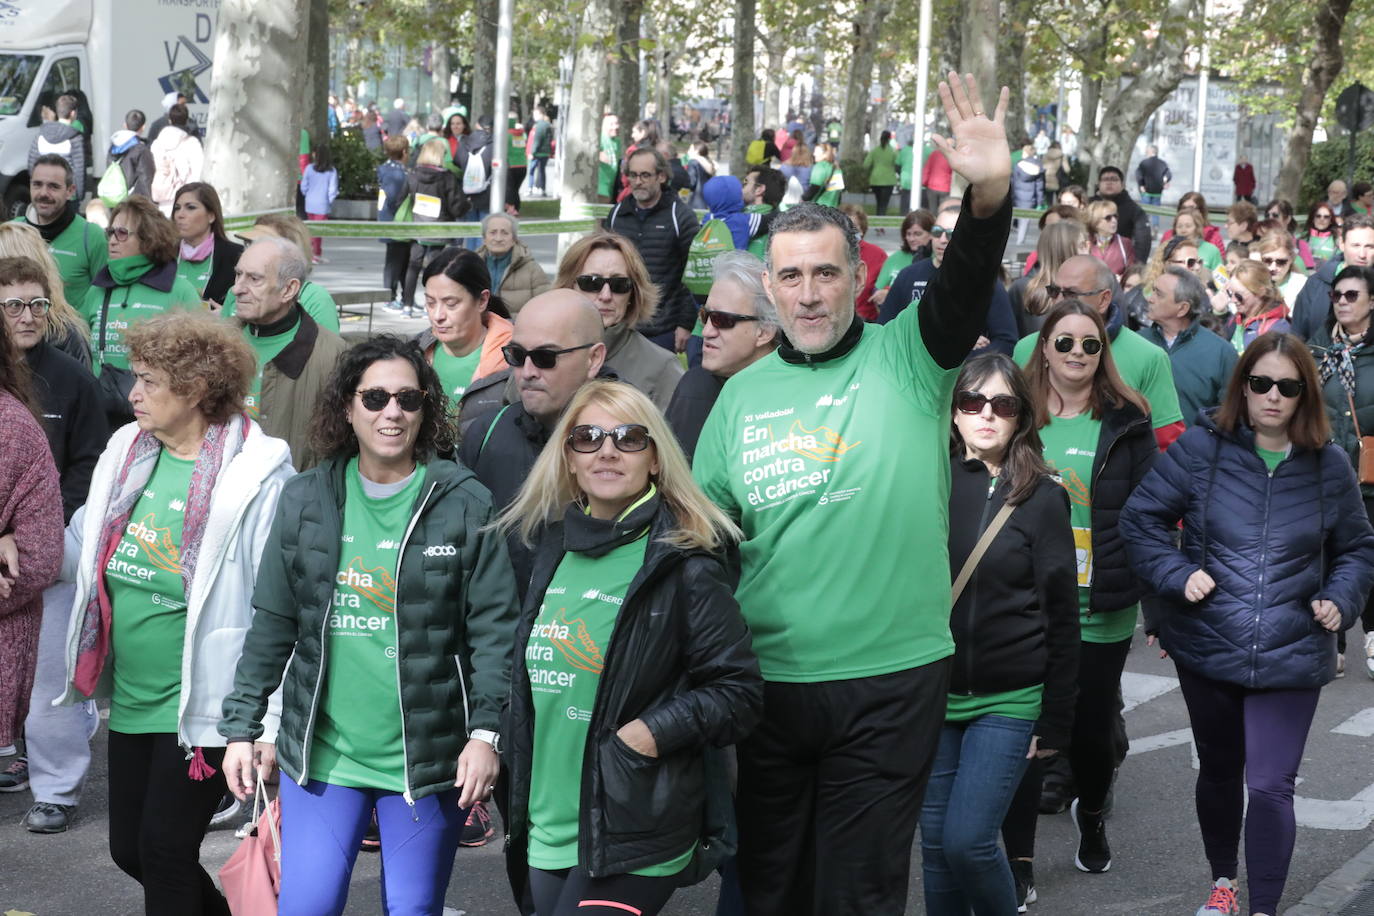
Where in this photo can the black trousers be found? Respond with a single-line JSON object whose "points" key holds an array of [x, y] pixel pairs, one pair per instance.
{"points": [[830, 790], [572, 892], [882, 196], [158, 817], [394, 268], [1367, 615]]}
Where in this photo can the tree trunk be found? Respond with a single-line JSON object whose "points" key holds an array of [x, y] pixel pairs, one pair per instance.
{"points": [[255, 103], [1322, 69], [625, 65], [315, 87], [1129, 108], [775, 49], [742, 102], [484, 63], [1011, 63], [978, 42], [868, 22], [882, 114], [1087, 122], [440, 78], [582, 119]]}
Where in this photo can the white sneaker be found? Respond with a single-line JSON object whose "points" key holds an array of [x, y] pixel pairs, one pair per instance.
{"points": [[1369, 654]]}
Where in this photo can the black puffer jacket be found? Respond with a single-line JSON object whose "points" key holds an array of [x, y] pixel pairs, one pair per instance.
{"points": [[442, 184], [1126, 450], [1016, 622], [680, 660], [663, 235]]}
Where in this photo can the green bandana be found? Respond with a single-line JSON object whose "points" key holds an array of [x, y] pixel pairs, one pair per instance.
{"points": [[129, 270]]}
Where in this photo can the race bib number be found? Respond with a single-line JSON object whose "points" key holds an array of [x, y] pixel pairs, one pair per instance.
{"points": [[426, 205], [1083, 550]]}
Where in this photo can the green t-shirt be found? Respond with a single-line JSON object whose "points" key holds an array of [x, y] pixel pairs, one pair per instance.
{"points": [[605, 173], [265, 349], [758, 247], [894, 265], [196, 273], [805, 458], [456, 373], [1143, 366], [80, 251], [1070, 447], [1209, 254], [828, 176], [148, 627], [128, 306], [906, 162], [1271, 459], [1013, 704], [314, 298], [358, 738], [881, 165], [565, 656]]}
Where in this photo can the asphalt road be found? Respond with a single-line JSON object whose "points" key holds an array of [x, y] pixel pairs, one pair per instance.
{"points": [[1158, 869]]}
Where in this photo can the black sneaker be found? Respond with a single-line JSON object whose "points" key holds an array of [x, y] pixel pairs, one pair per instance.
{"points": [[478, 828], [372, 837], [1094, 855], [49, 817], [1022, 872], [228, 809], [15, 777]]}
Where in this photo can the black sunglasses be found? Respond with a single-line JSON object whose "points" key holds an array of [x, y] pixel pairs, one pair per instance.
{"points": [[1005, 406], [542, 357], [1189, 263], [592, 283], [628, 437], [375, 399], [724, 321], [1288, 387], [1068, 292], [1349, 295], [1064, 344], [938, 231]]}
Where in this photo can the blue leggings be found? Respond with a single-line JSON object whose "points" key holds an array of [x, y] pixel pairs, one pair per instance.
{"points": [[322, 825]]}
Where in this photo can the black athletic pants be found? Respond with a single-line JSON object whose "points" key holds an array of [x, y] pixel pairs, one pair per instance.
{"points": [[830, 791], [158, 817], [570, 892], [394, 269]]}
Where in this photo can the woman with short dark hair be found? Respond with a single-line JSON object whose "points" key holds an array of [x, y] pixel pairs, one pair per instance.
{"points": [[1277, 555], [1015, 629], [394, 604], [916, 227], [165, 557]]}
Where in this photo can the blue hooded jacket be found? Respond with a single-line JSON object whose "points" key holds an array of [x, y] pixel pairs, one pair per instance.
{"points": [[1262, 536], [725, 198]]}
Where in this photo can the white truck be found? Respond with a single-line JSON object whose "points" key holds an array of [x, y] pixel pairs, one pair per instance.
{"points": [[113, 55]]}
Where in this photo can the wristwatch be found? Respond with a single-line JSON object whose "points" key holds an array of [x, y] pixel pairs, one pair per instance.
{"points": [[487, 735]]}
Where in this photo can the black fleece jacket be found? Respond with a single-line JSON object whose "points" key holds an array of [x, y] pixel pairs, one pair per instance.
{"points": [[663, 235], [1016, 623], [72, 418]]}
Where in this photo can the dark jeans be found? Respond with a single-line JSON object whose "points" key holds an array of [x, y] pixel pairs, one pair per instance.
{"points": [[570, 892], [394, 269], [830, 791], [882, 195], [1248, 738], [539, 172], [515, 177], [157, 820], [1093, 752], [977, 769]]}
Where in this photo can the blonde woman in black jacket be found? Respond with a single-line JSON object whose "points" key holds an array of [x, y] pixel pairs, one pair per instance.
{"points": [[633, 668], [1015, 626]]}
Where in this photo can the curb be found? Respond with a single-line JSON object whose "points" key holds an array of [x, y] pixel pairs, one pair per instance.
{"points": [[1338, 888]]}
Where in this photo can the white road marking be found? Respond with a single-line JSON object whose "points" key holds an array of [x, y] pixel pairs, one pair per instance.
{"points": [[1361, 725], [1137, 689]]}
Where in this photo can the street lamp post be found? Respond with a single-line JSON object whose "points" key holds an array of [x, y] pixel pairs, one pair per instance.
{"points": [[918, 136], [500, 140]]}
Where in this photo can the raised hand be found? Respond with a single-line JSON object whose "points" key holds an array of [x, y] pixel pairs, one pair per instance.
{"points": [[977, 146]]}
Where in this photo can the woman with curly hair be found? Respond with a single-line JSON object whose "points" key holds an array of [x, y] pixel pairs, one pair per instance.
{"points": [[394, 603], [164, 555]]}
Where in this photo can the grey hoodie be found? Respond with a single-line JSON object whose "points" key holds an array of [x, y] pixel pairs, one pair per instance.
{"points": [[66, 141]]}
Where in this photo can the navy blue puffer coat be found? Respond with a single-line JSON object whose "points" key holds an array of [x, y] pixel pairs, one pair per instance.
{"points": [[1264, 538]]}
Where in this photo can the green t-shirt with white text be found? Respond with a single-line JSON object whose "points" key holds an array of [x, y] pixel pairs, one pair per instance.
{"points": [[1143, 366], [196, 273], [1070, 447], [838, 473], [358, 736], [148, 598]]}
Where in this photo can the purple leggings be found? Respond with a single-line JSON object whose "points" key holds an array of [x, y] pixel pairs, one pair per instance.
{"points": [[1248, 738]]}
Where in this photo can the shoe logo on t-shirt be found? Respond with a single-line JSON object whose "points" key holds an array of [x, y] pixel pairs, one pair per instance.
{"points": [[441, 550]]}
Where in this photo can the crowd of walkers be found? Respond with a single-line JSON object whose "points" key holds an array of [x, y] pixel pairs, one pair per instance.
{"points": [[527, 559]]}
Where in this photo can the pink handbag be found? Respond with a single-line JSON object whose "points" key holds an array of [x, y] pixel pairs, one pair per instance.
{"points": [[252, 877]]}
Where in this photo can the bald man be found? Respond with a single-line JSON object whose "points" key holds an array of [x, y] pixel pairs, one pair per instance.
{"points": [[500, 446]]}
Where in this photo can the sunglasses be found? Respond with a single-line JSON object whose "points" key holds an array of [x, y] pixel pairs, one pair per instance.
{"points": [[723, 321], [375, 399], [1064, 344], [1189, 263], [1288, 387], [38, 306], [1349, 295], [592, 283], [543, 357], [118, 232], [1068, 292], [940, 231], [1276, 262], [628, 437], [1322, 215], [1003, 405]]}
